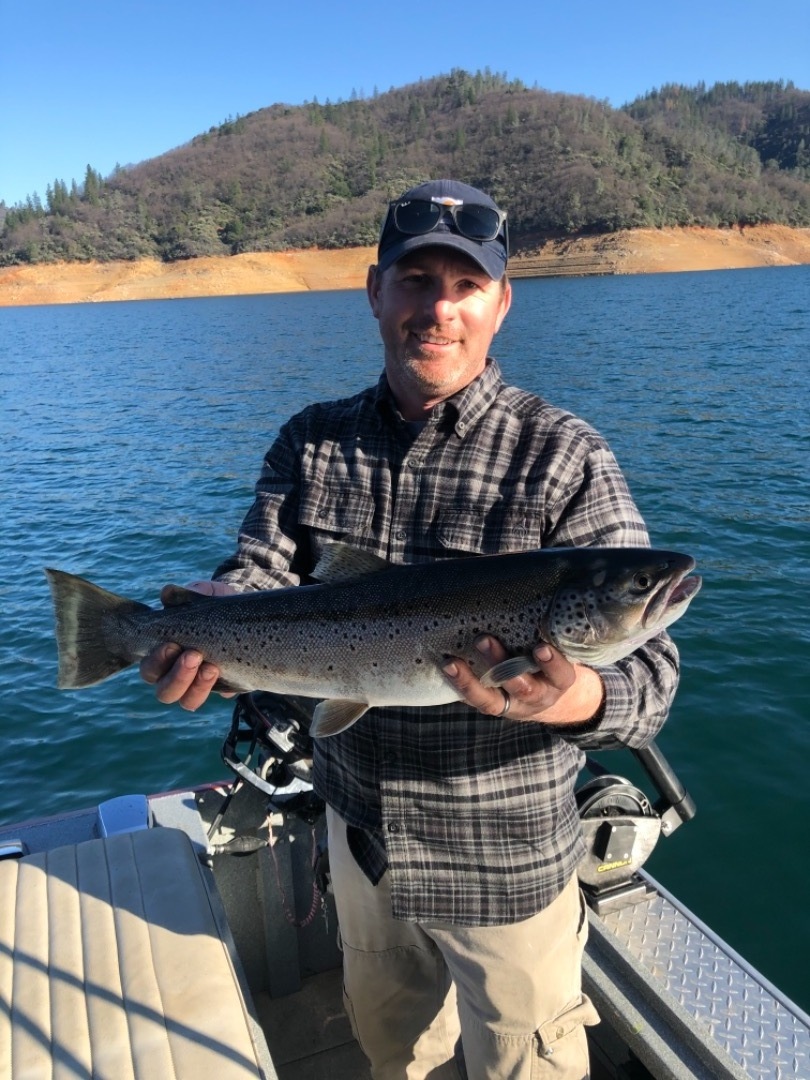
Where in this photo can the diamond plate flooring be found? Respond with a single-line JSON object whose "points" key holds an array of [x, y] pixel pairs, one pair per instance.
{"points": [[754, 1027]]}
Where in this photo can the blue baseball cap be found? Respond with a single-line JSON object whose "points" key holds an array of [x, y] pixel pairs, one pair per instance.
{"points": [[446, 213]]}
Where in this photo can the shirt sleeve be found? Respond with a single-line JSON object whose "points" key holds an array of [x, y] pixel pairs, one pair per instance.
{"points": [[267, 554], [594, 507]]}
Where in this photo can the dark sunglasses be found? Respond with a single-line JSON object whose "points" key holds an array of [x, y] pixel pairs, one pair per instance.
{"points": [[415, 217]]}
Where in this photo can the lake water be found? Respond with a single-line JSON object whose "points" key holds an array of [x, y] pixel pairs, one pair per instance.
{"points": [[131, 434]]}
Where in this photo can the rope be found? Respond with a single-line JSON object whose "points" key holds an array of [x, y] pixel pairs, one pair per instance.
{"points": [[317, 897]]}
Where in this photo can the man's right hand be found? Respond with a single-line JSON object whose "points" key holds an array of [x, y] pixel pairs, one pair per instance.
{"points": [[183, 675]]}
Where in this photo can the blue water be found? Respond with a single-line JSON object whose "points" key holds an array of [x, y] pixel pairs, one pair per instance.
{"points": [[131, 434]]}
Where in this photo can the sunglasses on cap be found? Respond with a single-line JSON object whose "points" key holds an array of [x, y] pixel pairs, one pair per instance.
{"points": [[416, 217]]}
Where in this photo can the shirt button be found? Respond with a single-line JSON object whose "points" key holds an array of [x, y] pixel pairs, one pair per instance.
{"points": [[394, 827], [401, 534]]}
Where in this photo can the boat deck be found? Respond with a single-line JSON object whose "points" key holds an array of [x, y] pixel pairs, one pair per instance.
{"points": [[324, 1048], [321, 1045], [676, 1003]]}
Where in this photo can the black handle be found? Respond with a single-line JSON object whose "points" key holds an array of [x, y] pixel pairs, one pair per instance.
{"points": [[673, 793]]}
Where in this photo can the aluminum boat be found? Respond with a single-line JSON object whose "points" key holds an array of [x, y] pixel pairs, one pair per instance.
{"points": [[192, 934]]}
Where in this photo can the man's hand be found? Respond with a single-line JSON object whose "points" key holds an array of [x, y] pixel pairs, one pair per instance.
{"points": [[179, 675], [559, 693]]}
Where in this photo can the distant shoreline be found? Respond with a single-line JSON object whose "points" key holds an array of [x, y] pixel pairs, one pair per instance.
{"points": [[638, 251]]}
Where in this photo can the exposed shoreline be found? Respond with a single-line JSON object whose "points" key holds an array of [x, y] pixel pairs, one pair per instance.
{"points": [[639, 251]]}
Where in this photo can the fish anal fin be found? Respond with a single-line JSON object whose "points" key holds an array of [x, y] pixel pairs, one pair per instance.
{"points": [[510, 669], [177, 595], [335, 715], [223, 686], [342, 562]]}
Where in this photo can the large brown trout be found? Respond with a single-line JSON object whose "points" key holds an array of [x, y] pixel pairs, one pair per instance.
{"points": [[372, 634]]}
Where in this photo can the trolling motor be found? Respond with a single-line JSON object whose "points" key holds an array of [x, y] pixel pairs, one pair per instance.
{"points": [[276, 727], [621, 827], [278, 764], [278, 760]]}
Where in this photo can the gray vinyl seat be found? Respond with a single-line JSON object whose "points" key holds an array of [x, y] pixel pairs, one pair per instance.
{"points": [[115, 964]]}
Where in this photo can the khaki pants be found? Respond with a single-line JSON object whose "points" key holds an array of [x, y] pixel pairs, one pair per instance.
{"points": [[513, 993]]}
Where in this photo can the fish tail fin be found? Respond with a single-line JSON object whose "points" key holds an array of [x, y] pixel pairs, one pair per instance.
{"points": [[85, 656]]}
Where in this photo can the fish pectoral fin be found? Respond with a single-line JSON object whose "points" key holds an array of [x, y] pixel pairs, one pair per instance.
{"points": [[510, 669], [342, 562], [336, 715]]}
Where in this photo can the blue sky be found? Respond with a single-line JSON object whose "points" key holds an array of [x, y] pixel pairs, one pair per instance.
{"points": [[121, 81]]}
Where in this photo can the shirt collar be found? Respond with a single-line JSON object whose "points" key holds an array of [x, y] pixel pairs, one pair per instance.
{"points": [[467, 406], [474, 400]]}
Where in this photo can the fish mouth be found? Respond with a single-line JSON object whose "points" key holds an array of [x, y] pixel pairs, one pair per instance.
{"points": [[670, 599]]}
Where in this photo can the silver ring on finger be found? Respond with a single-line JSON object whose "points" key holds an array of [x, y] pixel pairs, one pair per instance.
{"points": [[507, 702]]}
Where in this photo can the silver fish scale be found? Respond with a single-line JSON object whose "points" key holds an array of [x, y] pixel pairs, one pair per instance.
{"points": [[729, 1002]]}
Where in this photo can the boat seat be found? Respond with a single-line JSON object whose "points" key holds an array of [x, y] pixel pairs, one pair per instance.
{"points": [[116, 964]]}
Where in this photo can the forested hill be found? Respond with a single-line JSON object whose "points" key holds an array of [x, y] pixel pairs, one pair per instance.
{"points": [[320, 174]]}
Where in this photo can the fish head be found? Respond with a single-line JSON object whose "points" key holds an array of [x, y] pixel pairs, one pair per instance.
{"points": [[614, 601]]}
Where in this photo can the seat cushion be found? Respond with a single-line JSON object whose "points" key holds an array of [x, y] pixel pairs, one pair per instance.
{"points": [[113, 966]]}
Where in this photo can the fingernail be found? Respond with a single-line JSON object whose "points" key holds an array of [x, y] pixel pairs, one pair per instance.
{"points": [[542, 654], [451, 670], [192, 659], [172, 651], [484, 645]]}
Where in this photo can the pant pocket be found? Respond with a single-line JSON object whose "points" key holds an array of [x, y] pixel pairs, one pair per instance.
{"points": [[563, 1038]]}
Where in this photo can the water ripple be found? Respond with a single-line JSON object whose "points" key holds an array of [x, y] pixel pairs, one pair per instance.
{"points": [[131, 435]]}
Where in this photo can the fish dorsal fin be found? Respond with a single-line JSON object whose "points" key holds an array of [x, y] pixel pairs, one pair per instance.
{"points": [[336, 715], [176, 596], [510, 669], [342, 562]]}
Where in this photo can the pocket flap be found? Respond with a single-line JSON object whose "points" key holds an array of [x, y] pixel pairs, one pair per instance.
{"points": [[486, 530], [582, 1013], [341, 515]]}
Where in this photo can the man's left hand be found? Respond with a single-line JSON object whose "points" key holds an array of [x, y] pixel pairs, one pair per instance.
{"points": [[559, 693]]}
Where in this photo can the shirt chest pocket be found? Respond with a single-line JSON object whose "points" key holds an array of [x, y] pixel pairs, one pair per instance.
{"points": [[330, 517], [490, 530]]}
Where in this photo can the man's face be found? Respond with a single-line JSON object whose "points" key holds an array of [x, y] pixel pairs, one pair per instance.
{"points": [[438, 313]]}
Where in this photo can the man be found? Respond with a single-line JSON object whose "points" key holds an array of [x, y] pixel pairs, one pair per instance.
{"points": [[454, 837]]}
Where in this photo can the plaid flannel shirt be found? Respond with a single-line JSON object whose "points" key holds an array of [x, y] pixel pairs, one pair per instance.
{"points": [[474, 817]]}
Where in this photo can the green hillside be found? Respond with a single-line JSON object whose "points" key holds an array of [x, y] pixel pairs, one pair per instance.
{"points": [[320, 174]]}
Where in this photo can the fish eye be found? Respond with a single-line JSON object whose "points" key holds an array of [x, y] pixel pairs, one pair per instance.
{"points": [[643, 581]]}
